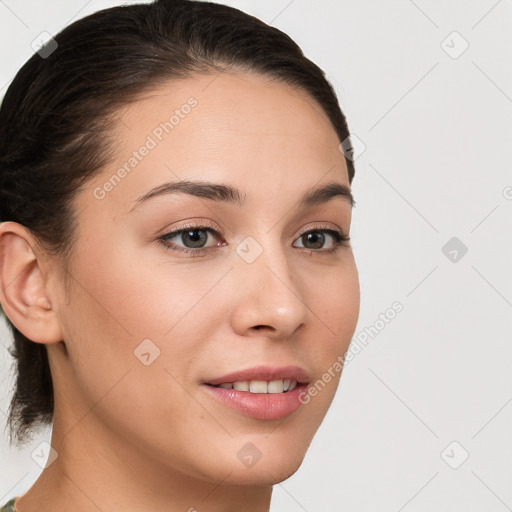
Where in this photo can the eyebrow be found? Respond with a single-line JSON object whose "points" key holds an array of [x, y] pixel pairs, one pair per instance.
{"points": [[229, 194]]}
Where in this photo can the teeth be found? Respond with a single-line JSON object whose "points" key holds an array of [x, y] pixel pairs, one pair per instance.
{"points": [[261, 386], [241, 386], [258, 386]]}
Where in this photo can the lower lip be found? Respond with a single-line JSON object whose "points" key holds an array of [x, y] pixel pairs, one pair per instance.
{"points": [[262, 406]]}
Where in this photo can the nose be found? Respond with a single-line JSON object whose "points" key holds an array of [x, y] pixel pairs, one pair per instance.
{"points": [[267, 298]]}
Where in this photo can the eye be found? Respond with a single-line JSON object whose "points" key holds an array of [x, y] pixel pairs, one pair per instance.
{"points": [[315, 239], [193, 239]]}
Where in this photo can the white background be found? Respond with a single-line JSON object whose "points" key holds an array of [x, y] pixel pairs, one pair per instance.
{"points": [[437, 164]]}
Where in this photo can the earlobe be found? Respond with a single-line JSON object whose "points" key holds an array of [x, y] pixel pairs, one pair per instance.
{"points": [[24, 296]]}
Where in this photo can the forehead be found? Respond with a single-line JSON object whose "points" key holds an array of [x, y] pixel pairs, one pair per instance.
{"points": [[244, 129], [233, 104]]}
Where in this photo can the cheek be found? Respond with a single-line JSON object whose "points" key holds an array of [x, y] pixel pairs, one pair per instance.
{"points": [[336, 302], [334, 297], [123, 301], [115, 305], [139, 297]]}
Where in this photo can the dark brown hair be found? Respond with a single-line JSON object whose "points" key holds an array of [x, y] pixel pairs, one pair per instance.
{"points": [[57, 115]]}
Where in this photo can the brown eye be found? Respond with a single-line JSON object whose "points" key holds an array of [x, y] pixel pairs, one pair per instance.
{"points": [[313, 240]]}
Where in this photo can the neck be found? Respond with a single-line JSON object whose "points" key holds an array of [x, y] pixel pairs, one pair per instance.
{"points": [[97, 470]]}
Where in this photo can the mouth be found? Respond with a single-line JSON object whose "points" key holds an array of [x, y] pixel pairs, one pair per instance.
{"points": [[261, 392]]}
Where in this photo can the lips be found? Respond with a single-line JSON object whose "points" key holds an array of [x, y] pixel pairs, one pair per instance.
{"points": [[263, 373], [263, 400]]}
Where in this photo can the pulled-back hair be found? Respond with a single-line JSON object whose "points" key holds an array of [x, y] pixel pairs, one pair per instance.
{"points": [[58, 116]]}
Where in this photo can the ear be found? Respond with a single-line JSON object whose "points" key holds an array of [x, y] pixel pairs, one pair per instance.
{"points": [[23, 290]]}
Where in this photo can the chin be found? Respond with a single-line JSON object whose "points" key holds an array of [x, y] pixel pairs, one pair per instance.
{"points": [[250, 465], [261, 474]]}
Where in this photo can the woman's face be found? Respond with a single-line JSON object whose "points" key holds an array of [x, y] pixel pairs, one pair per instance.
{"points": [[149, 327]]}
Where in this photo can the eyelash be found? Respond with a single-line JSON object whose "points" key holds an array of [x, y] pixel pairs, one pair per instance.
{"points": [[340, 240]]}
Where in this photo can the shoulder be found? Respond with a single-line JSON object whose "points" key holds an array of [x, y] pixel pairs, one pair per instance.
{"points": [[9, 506]]}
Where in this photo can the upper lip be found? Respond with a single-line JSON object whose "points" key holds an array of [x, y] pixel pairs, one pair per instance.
{"points": [[267, 373]]}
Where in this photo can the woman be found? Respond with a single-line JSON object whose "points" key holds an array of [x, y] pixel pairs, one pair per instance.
{"points": [[174, 258]]}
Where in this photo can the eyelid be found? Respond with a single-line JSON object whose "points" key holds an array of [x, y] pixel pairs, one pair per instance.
{"points": [[193, 224], [321, 225]]}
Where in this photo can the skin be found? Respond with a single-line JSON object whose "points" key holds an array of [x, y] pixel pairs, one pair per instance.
{"points": [[136, 437]]}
